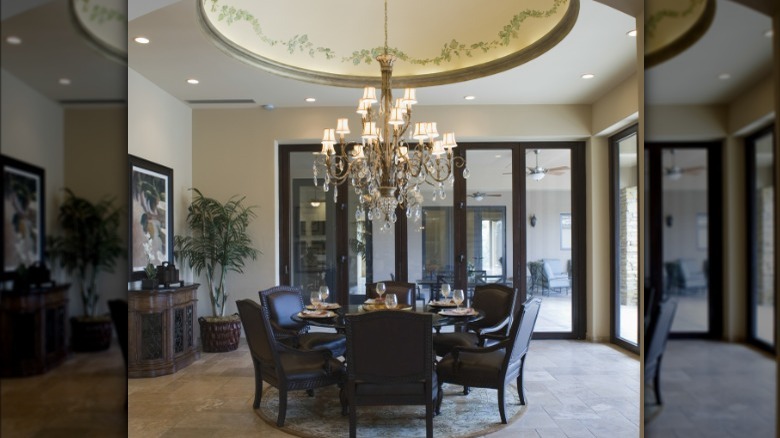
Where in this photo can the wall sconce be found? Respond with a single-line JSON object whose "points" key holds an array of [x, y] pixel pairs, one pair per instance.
{"points": [[533, 220], [669, 220]]}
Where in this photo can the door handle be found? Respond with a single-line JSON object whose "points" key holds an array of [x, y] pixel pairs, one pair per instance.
{"points": [[343, 259]]}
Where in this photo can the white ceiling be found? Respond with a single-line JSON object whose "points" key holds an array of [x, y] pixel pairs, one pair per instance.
{"points": [[180, 50], [52, 49]]}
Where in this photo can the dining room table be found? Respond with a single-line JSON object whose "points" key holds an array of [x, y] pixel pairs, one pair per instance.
{"points": [[332, 315]]}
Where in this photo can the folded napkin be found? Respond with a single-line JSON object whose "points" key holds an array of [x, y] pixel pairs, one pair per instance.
{"points": [[319, 312]]}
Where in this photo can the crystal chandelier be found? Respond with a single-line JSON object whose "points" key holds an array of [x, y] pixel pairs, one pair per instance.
{"points": [[385, 169]]}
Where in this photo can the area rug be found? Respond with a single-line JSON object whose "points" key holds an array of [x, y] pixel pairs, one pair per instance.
{"points": [[461, 416]]}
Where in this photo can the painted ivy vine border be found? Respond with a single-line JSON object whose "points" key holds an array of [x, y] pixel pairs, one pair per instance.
{"points": [[452, 49], [652, 22], [101, 14]]}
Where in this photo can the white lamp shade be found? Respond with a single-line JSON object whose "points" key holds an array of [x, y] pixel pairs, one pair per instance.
{"points": [[328, 136], [399, 103], [362, 108], [357, 152], [410, 96], [420, 131], [369, 131], [437, 148], [431, 130], [369, 94], [342, 126], [396, 116], [448, 141]]}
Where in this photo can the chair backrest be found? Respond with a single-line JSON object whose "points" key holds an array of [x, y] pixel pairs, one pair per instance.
{"points": [[259, 335], [281, 303], [521, 332], [658, 332], [405, 292], [389, 346], [552, 267], [497, 301], [118, 309]]}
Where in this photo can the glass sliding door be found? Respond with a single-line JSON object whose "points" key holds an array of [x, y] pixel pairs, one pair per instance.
{"points": [[761, 222], [625, 238], [685, 218], [549, 236]]}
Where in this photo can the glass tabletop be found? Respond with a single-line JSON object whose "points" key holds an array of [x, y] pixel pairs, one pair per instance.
{"points": [[337, 321]]}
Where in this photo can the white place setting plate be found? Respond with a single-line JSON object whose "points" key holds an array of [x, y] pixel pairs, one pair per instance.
{"points": [[459, 312], [316, 314]]}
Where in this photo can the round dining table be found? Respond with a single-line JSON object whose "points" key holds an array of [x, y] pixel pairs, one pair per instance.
{"points": [[337, 319]]}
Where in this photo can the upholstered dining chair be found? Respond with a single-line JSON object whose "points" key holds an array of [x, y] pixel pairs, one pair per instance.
{"points": [[284, 368], [390, 363], [655, 343], [405, 292], [497, 301], [494, 366], [281, 303]]}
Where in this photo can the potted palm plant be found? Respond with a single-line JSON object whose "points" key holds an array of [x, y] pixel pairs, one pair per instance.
{"points": [[89, 244], [219, 243]]}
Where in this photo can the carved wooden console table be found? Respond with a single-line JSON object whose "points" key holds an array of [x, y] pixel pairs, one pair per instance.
{"points": [[161, 330], [32, 327]]}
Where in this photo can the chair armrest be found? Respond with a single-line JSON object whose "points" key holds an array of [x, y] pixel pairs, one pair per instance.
{"points": [[481, 331], [495, 347], [279, 330], [282, 348], [494, 336]]}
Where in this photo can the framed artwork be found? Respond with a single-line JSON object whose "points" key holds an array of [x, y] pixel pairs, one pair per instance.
{"points": [[150, 215], [23, 214], [565, 230], [317, 228]]}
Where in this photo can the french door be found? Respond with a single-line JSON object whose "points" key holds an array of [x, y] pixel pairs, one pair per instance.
{"points": [[760, 173], [683, 234], [491, 227], [624, 232]]}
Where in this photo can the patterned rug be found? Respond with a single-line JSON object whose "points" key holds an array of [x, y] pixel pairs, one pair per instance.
{"points": [[461, 416]]}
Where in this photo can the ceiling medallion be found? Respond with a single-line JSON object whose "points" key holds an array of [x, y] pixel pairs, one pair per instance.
{"points": [[276, 37], [671, 26]]}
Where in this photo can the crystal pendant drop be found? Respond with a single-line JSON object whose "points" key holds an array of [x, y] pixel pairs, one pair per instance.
{"points": [[466, 173], [335, 193], [325, 188]]}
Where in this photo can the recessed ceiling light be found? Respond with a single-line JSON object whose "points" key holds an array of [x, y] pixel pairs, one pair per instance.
{"points": [[724, 76], [769, 33], [141, 40], [498, 155], [469, 97], [631, 33], [13, 39], [193, 81], [64, 81], [588, 76], [310, 99]]}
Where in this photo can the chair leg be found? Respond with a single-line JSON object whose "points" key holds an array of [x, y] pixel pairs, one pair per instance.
{"points": [[501, 404], [657, 382], [520, 389], [343, 400], [258, 387], [466, 390], [439, 399], [310, 392], [429, 419], [282, 407], [352, 421]]}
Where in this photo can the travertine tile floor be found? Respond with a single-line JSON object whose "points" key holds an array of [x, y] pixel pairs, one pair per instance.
{"points": [[83, 397], [714, 390], [575, 389]]}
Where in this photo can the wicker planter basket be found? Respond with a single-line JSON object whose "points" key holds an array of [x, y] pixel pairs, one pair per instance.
{"points": [[220, 335]]}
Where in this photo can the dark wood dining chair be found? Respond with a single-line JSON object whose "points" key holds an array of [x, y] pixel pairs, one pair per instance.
{"points": [[281, 303], [390, 363], [405, 292], [496, 365], [655, 344], [497, 301], [285, 368]]}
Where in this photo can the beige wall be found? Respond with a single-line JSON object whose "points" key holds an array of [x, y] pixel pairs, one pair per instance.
{"points": [[31, 131], [617, 108], [95, 168], [160, 130]]}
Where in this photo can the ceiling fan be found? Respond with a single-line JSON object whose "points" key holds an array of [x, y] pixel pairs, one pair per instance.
{"points": [[537, 173], [481, 195], [675, 172]]}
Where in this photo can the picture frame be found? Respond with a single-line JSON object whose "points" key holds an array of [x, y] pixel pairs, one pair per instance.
{"points": [[23, 213], [150, 216]]}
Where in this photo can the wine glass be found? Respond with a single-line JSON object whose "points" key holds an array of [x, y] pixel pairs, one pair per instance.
{"points": [[458, 297], [380, 290], [315, 299], [324, 293], [391, 301], [445, 291]]}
